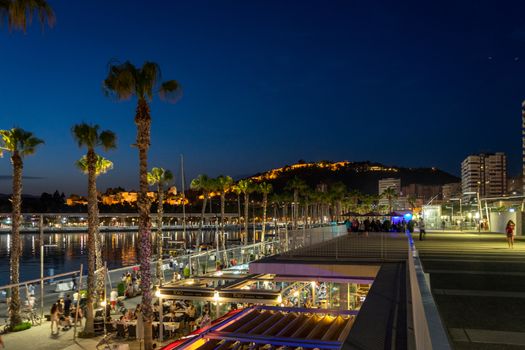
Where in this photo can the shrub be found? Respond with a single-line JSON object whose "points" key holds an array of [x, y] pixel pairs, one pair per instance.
{"points": [[21, 327], [121, 289]]}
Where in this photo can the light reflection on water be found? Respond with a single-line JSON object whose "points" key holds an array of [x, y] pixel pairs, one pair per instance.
{"points": [[119, 249]]}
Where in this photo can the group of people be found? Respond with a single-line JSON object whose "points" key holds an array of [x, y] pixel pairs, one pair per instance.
{"points": [[131, 280], [61, 314]]}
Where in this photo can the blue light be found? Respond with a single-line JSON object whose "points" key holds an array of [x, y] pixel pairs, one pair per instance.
{"points": [[408, 216]]}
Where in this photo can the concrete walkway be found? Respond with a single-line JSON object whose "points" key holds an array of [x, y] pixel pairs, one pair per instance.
{"points": [[479, 287]]}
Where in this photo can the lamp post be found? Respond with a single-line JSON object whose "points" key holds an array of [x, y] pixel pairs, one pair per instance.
{"points": [[42, 276]]}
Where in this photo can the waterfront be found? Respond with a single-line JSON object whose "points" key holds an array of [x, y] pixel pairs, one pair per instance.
{"points": [[119, 249]]}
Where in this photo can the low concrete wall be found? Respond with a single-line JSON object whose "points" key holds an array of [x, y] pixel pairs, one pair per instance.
{"points": [[499, 220]]}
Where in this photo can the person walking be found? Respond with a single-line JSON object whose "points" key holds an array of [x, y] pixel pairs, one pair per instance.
{"points": [[510, 233], [422, 230], [54, 316]]}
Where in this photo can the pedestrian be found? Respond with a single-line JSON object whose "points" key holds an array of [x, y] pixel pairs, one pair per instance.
{"points": [[422, 230], [113, 296], [510, 233], [54, 316], [2, 342], [67, 306]]}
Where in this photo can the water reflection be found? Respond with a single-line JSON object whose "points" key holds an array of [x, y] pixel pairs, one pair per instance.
{"points": [[119, 249]]}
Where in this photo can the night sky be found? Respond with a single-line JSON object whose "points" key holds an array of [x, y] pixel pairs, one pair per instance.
{"points": [[267, 83]]}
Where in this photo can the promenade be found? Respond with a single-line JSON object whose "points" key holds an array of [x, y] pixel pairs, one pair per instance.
{"points": [[478, 284]]}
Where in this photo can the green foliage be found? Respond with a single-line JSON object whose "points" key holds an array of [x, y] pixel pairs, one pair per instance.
{"points": [[159, 176], [121, 289], [21, 327], [19, 140], [125, 80], [102, 165], [90, 137]]}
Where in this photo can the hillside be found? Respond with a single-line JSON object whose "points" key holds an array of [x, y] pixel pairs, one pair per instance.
{"points": [[361, 176]]}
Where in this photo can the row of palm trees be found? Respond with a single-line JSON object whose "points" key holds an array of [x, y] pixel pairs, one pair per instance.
{"points": [[123, 81]]}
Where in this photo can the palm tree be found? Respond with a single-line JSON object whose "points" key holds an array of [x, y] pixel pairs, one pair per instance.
{"points": [[19, 143], [102, 166], [390, 194], [204, 184], [297, 185], [224, 184], [20, 12], [161, 178], [246, 187], [90, 137], [124, 81], [265, 188], [337, 193]]}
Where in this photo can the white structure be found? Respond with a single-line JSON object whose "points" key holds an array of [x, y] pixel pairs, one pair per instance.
{"points": [[523, 142], [485, 173], [389, 182]]}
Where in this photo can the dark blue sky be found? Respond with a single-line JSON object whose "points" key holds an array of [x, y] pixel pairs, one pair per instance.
{"points": [[269, 82]]}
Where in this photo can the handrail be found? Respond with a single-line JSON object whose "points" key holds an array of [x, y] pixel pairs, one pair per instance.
{"points": [[429, 332]]}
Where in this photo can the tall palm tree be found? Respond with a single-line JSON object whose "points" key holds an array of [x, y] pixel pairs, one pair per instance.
{"points": [[91, 137], [337, 194], [159, 177], [390, 194], [19, 143], [102, 166], [297, 185], [124, 80], [265, 188], [246, 187], [224, 184], [19, 13], [203, 184]]}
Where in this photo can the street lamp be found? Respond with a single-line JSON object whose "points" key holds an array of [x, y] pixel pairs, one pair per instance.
{"points": [[42, 277]]}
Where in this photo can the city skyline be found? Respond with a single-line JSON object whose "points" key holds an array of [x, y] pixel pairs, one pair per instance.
{"points": [[299, 81]]}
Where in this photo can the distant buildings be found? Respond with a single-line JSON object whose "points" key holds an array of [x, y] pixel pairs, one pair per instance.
{"points": [[424, 192], [451, 190], [485, 173], [388, 182], [126, 198], [515, 185]]}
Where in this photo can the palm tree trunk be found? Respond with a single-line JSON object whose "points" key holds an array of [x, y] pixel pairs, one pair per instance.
{"points": [[14, 318], [160, 213], [223, 233], [265, 204], [92, 231], [295, 207], [100, 285], [143, 122], [246, 203], [201, 224]]}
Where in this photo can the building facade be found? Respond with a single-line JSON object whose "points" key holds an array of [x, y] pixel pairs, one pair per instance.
{"points": [[484, 173], [419, 191], [389, 182], [451, 190]]}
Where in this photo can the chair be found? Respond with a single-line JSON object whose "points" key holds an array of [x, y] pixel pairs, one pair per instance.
{"points": [[166, 318], [110, 327], [121, 330], [132, 331]]}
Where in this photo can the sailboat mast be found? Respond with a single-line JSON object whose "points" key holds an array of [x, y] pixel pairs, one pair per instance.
{"points": [[183, 200]]}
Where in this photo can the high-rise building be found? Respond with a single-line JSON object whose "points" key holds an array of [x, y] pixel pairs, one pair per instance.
{"points": [[389, 182], [485, 173], [419, 191], [523, 144]]}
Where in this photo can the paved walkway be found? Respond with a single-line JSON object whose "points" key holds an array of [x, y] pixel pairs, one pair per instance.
{"points": [[479, 287]]}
